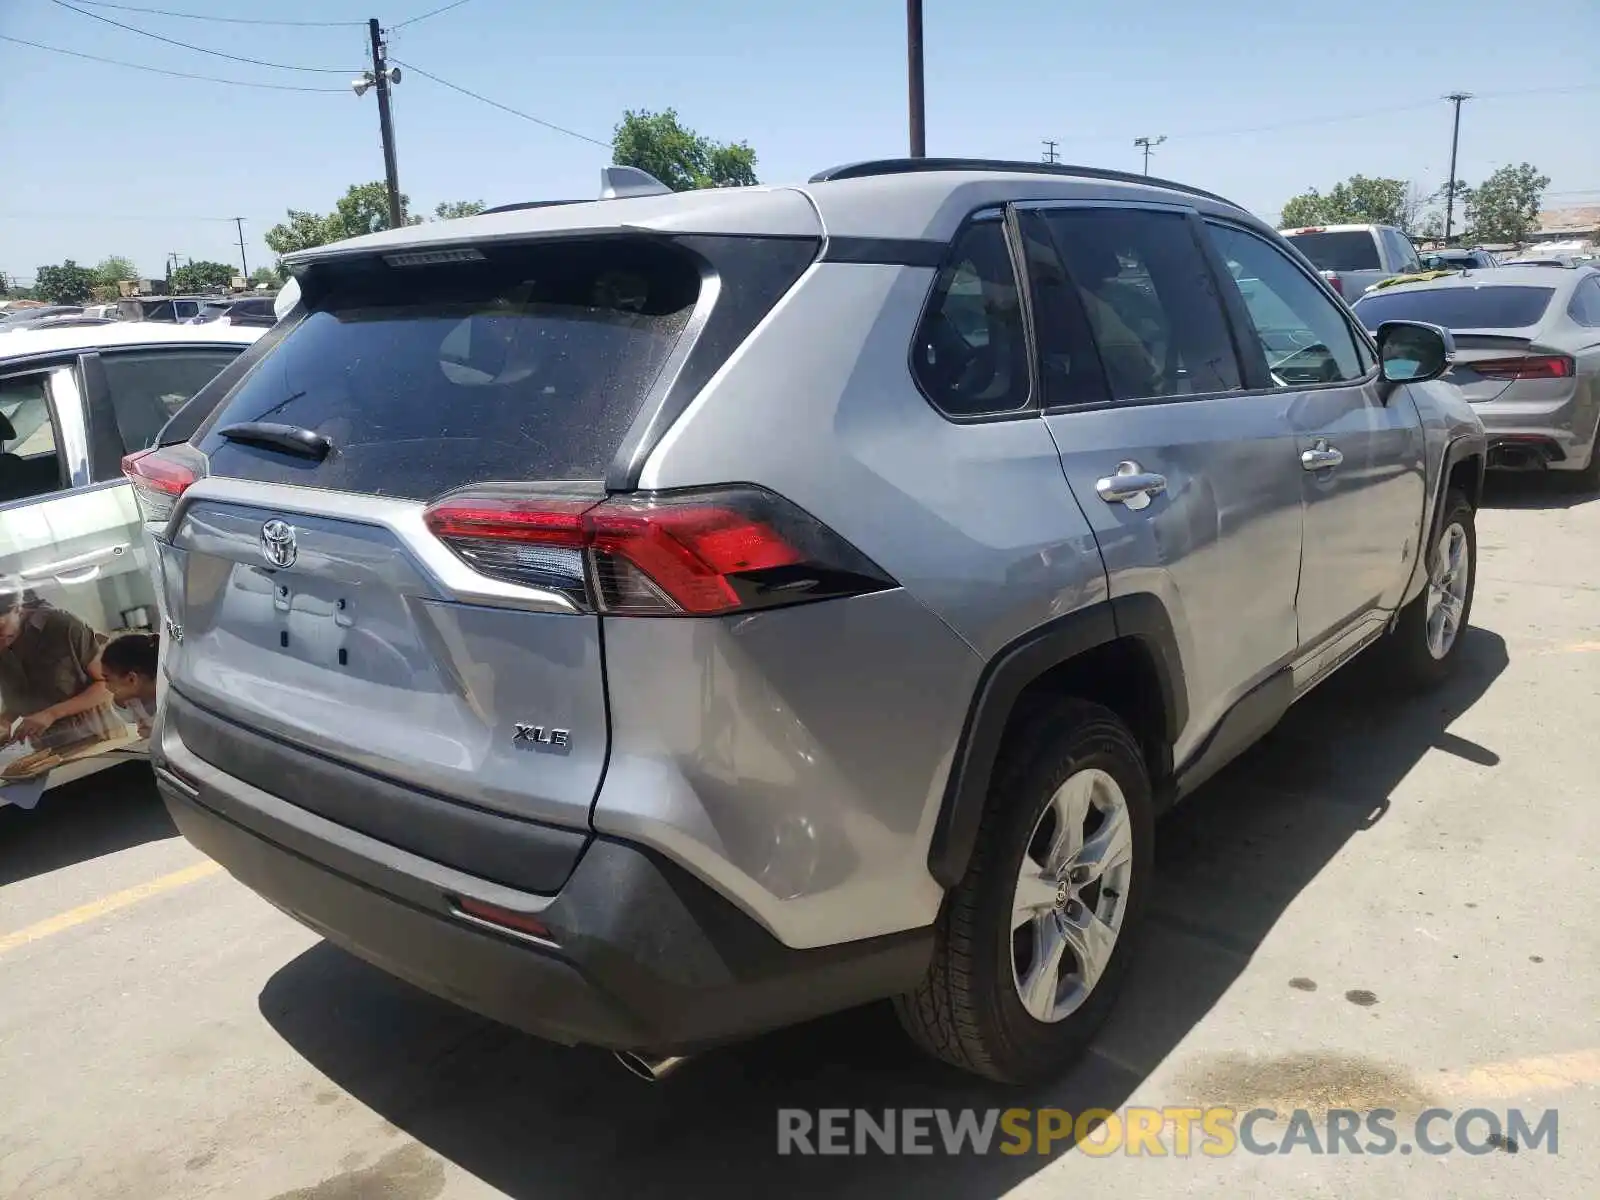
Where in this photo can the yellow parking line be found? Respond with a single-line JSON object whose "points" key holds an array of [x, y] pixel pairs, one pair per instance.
{"points": [[1508, 1080], [105, 905]]}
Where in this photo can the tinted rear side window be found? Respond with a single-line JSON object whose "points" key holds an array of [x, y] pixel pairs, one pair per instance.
{"points": [[529, 364], [1487, 307], [1352, 250]]}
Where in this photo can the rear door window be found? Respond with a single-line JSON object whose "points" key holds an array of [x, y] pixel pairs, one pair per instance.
{"points": [[1346, 250], [148, 386], [1485, 307], [525, 363], [29, 464], [1150, 299]]}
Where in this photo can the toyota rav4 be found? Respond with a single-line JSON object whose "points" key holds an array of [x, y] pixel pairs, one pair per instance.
{"points": [[655, 620]]}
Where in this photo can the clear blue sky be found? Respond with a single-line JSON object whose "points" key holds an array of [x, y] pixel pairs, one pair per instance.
{"points": [[100, 160]]}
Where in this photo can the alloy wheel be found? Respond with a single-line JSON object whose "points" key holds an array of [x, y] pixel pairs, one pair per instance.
{"points": [[1071, 895], [1448, 575]]}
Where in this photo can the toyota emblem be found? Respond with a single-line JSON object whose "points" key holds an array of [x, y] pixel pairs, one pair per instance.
{"points": [[278, 543]]}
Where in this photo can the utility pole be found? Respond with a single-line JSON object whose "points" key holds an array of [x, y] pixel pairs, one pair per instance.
{"points": [[244, 265], [381, 78], [1450, 187], [1050, 155], [1146, 143], [914, 93]]}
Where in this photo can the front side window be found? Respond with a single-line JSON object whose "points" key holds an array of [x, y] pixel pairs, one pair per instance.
{"points": [[971, 354], [29, 465], [1150, 299], [148, 386], [1302, 333]]}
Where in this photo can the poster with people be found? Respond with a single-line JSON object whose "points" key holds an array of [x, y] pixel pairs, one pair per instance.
{"points": [[68, 692]]}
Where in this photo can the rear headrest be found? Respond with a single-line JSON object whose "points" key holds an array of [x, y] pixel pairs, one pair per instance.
{"points": [[8, 431]]}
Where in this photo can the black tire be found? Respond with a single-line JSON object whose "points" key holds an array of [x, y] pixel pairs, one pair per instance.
{"points": [[1407, 644], [967, 1011]]}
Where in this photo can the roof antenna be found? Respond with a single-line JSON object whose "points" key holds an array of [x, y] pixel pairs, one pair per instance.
{"points": [[617, 183]]}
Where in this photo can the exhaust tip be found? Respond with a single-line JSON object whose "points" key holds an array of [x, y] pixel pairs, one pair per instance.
{"points": [[649, 1067]]}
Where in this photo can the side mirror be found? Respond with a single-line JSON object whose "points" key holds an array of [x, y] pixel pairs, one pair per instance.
{"points": [[1413, 352]]}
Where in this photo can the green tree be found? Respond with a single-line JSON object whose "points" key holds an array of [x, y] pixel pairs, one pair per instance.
{"points": [[1357, 201], [1505, 206], [449, 210], [677, 156], [364, 208], [301, 231], [65, 284], [113, 270], [201, 277], [266, 275]]}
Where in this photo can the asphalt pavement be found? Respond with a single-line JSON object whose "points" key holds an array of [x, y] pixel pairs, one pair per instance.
{"points": [[1389, 904]]}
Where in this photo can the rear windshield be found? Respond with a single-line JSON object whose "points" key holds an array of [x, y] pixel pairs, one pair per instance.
{"points": [[1352, 250], [1487, 307], [528, 364]]}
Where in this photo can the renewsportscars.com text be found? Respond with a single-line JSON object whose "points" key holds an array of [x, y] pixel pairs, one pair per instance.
{"points": [[1163, 1132]]}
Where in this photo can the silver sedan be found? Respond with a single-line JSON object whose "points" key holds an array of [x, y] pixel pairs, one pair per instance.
{"points": [[1527, 357]]}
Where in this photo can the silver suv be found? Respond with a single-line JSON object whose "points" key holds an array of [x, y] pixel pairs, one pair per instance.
{"points": [[652, 621]]}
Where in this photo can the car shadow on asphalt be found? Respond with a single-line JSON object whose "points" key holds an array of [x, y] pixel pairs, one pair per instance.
{"points": [[1533, 490], [536, 1120], [111, 810]]}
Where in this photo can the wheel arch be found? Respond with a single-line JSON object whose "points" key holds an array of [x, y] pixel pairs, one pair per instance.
{"points": [[1121, 653], [1462, 465]]}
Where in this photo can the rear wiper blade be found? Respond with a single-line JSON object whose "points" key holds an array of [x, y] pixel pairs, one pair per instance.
{"points": [[291, 439]]}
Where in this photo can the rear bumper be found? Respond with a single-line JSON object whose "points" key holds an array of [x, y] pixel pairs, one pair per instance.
{"points": [[640, 955], [1524, 452], [1557, 434]]}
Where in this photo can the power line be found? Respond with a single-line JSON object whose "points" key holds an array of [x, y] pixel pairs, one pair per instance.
{"points": [[116, 62], [456, 87], [164, 12], [114, 216], [256, 62], [423, 17]]}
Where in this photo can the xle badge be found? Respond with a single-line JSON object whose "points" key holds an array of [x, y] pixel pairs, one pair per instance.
{"points": [[540, 735]]}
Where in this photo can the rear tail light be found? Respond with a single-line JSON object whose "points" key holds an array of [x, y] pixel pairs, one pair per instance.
{"points": [[1334, 281], [159, 477], [697, 553], [1533, 366]]}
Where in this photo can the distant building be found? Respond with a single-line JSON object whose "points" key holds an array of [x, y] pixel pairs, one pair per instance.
{"points": [[141, 287], [1568, 224]]}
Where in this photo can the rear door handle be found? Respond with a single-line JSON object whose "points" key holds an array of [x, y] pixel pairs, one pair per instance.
{"points": [[1321, 456], [1130, 485], [80, 568]]}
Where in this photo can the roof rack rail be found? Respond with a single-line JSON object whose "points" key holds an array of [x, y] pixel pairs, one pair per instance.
{"points": [[518, 207], [911, 166]]}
